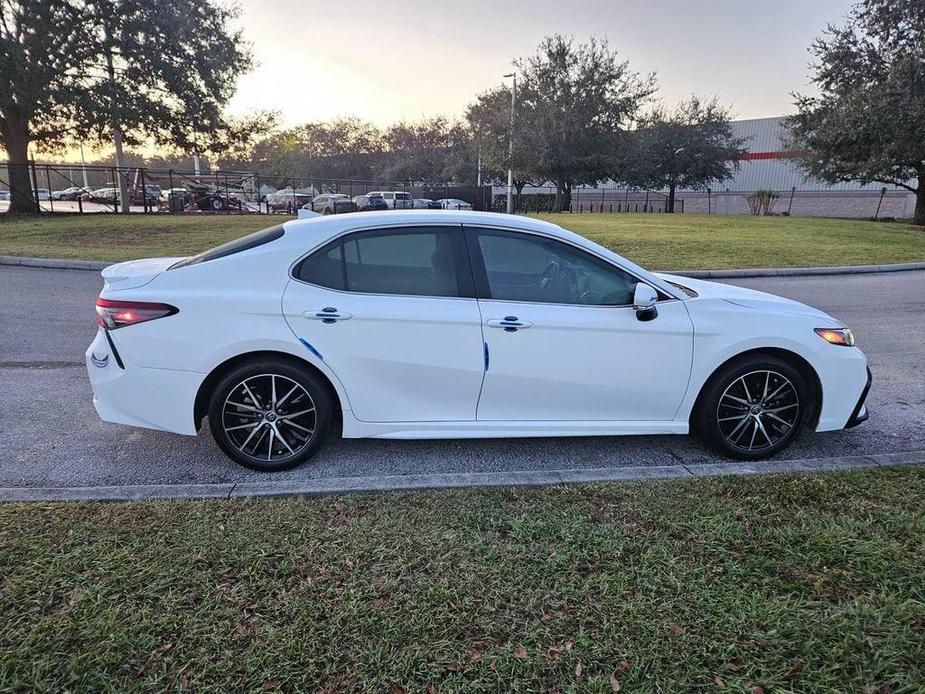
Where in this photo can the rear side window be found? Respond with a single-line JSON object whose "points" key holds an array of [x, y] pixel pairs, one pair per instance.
{"points": [[258, 238], [419, 261]]}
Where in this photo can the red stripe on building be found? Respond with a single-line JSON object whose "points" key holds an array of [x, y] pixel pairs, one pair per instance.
{"points": [[758, 156]]}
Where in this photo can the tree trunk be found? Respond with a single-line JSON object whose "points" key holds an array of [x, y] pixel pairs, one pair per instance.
{"points": [[918, 217], [671, 198], [563, 199], [17, 149]]}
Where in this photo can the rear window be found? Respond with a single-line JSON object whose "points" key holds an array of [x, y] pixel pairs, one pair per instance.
{"points": [[414, 261], [258, 238]]}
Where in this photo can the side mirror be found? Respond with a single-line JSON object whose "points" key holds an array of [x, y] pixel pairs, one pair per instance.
{"points": [[644, 300]]}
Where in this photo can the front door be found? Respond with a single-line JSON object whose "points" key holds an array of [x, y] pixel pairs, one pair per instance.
{"points": [[563, 340]]}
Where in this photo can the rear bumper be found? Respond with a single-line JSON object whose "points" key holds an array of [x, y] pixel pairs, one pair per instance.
{"points": [[124, 393], [860, 413]]}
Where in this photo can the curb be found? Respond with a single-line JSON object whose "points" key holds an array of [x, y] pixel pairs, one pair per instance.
{"points": [[346, 485], [54, 263], [97, 265], [798, 271]]}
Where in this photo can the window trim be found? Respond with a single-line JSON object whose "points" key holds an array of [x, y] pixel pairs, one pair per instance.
{"points": [[480, 273], [461, 261]]}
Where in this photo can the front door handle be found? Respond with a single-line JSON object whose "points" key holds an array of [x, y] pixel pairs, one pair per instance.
{"points": [[510, 324], [328, 314]]}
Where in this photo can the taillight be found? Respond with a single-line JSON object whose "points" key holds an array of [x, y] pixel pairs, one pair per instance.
{"points": [[117, 314]]}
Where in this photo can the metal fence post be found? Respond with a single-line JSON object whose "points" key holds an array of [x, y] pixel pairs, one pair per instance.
{"points": [[793, 191], [35, 187], [144, 191], [879, 202], [51, 200]]}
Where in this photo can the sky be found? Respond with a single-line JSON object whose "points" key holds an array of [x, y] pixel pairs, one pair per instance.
{"points": [[385, 60]]}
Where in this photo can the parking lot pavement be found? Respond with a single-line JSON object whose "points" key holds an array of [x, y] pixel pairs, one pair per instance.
{"points": [[52, 436]]}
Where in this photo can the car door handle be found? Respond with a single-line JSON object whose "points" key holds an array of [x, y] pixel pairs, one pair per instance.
{"points": [[510, 324], [328, 314]]}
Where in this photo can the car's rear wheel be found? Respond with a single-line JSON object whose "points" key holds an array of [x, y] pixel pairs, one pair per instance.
{"points": [[753, 407], [270, 414]]}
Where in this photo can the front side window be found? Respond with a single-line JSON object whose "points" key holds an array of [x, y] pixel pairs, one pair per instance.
{"points": [[418, 261], [524, 267]]}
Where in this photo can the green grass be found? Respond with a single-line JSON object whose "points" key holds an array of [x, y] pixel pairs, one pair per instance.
{"points": [[786, 583], [658, 241]]}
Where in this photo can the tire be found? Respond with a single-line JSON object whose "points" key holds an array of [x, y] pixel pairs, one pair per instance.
{"points": [[752, 408], [247, 427], [326, 210]]}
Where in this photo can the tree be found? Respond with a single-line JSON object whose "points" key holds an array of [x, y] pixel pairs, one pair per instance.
{"points": [[428, 151], [868, 122], [687, 148], [99, 69], [582, 98], [489, 121], [338, 149]]}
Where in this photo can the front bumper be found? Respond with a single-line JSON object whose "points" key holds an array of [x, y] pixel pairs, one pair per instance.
{"points": [[861, 413]]}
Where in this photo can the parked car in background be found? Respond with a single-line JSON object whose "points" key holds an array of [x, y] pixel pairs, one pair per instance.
{"points": [[425, 204], [287, 200], [4, 195], [103, 196], [453, 204], [331, 203], [72, 193], [395, 199], [151, 192], [370, 202], [42, 194], [440, 324]]}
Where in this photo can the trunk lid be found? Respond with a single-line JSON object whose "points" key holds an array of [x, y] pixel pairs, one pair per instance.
{"points": [[135, 273]]}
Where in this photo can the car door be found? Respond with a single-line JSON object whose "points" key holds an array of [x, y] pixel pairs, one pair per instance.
{"points": [[393, 313], [563, 342]]}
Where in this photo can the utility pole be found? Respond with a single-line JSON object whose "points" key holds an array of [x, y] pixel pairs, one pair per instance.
{"points": [[83, 166], [510, 147]]}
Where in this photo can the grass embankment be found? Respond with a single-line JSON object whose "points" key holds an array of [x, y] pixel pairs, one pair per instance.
{"points": [[784, 583], [657, 241]]}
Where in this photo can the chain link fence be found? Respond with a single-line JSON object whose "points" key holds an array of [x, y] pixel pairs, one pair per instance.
{"points": [[58, 188]]}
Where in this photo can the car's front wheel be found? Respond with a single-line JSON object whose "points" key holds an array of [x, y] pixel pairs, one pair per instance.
{"points": [[752, 408], [270, 414]]}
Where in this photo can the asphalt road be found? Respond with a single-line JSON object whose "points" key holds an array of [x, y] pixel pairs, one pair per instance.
{"points": [[52, 436]]}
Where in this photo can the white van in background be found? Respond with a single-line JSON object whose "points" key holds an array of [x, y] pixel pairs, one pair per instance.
{"points": [[396, 199]]}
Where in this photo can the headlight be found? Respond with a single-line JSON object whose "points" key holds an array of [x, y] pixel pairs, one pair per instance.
{"points": [[837, 336]]}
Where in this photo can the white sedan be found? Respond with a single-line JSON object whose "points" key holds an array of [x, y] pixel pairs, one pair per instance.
{"points": [[440, 324]]}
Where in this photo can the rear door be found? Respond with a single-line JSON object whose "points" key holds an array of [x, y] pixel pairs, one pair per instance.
{"points": [[392, 312], [563, 340]]}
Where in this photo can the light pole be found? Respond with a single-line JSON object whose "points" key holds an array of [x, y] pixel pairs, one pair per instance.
{"points": [[83, 166], [510, 147]]}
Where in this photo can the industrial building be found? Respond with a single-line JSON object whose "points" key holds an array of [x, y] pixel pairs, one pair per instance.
{"points": [[769, 165]]}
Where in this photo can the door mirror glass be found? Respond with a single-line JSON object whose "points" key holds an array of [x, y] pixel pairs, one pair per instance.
{"points": [[644, 300]]}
